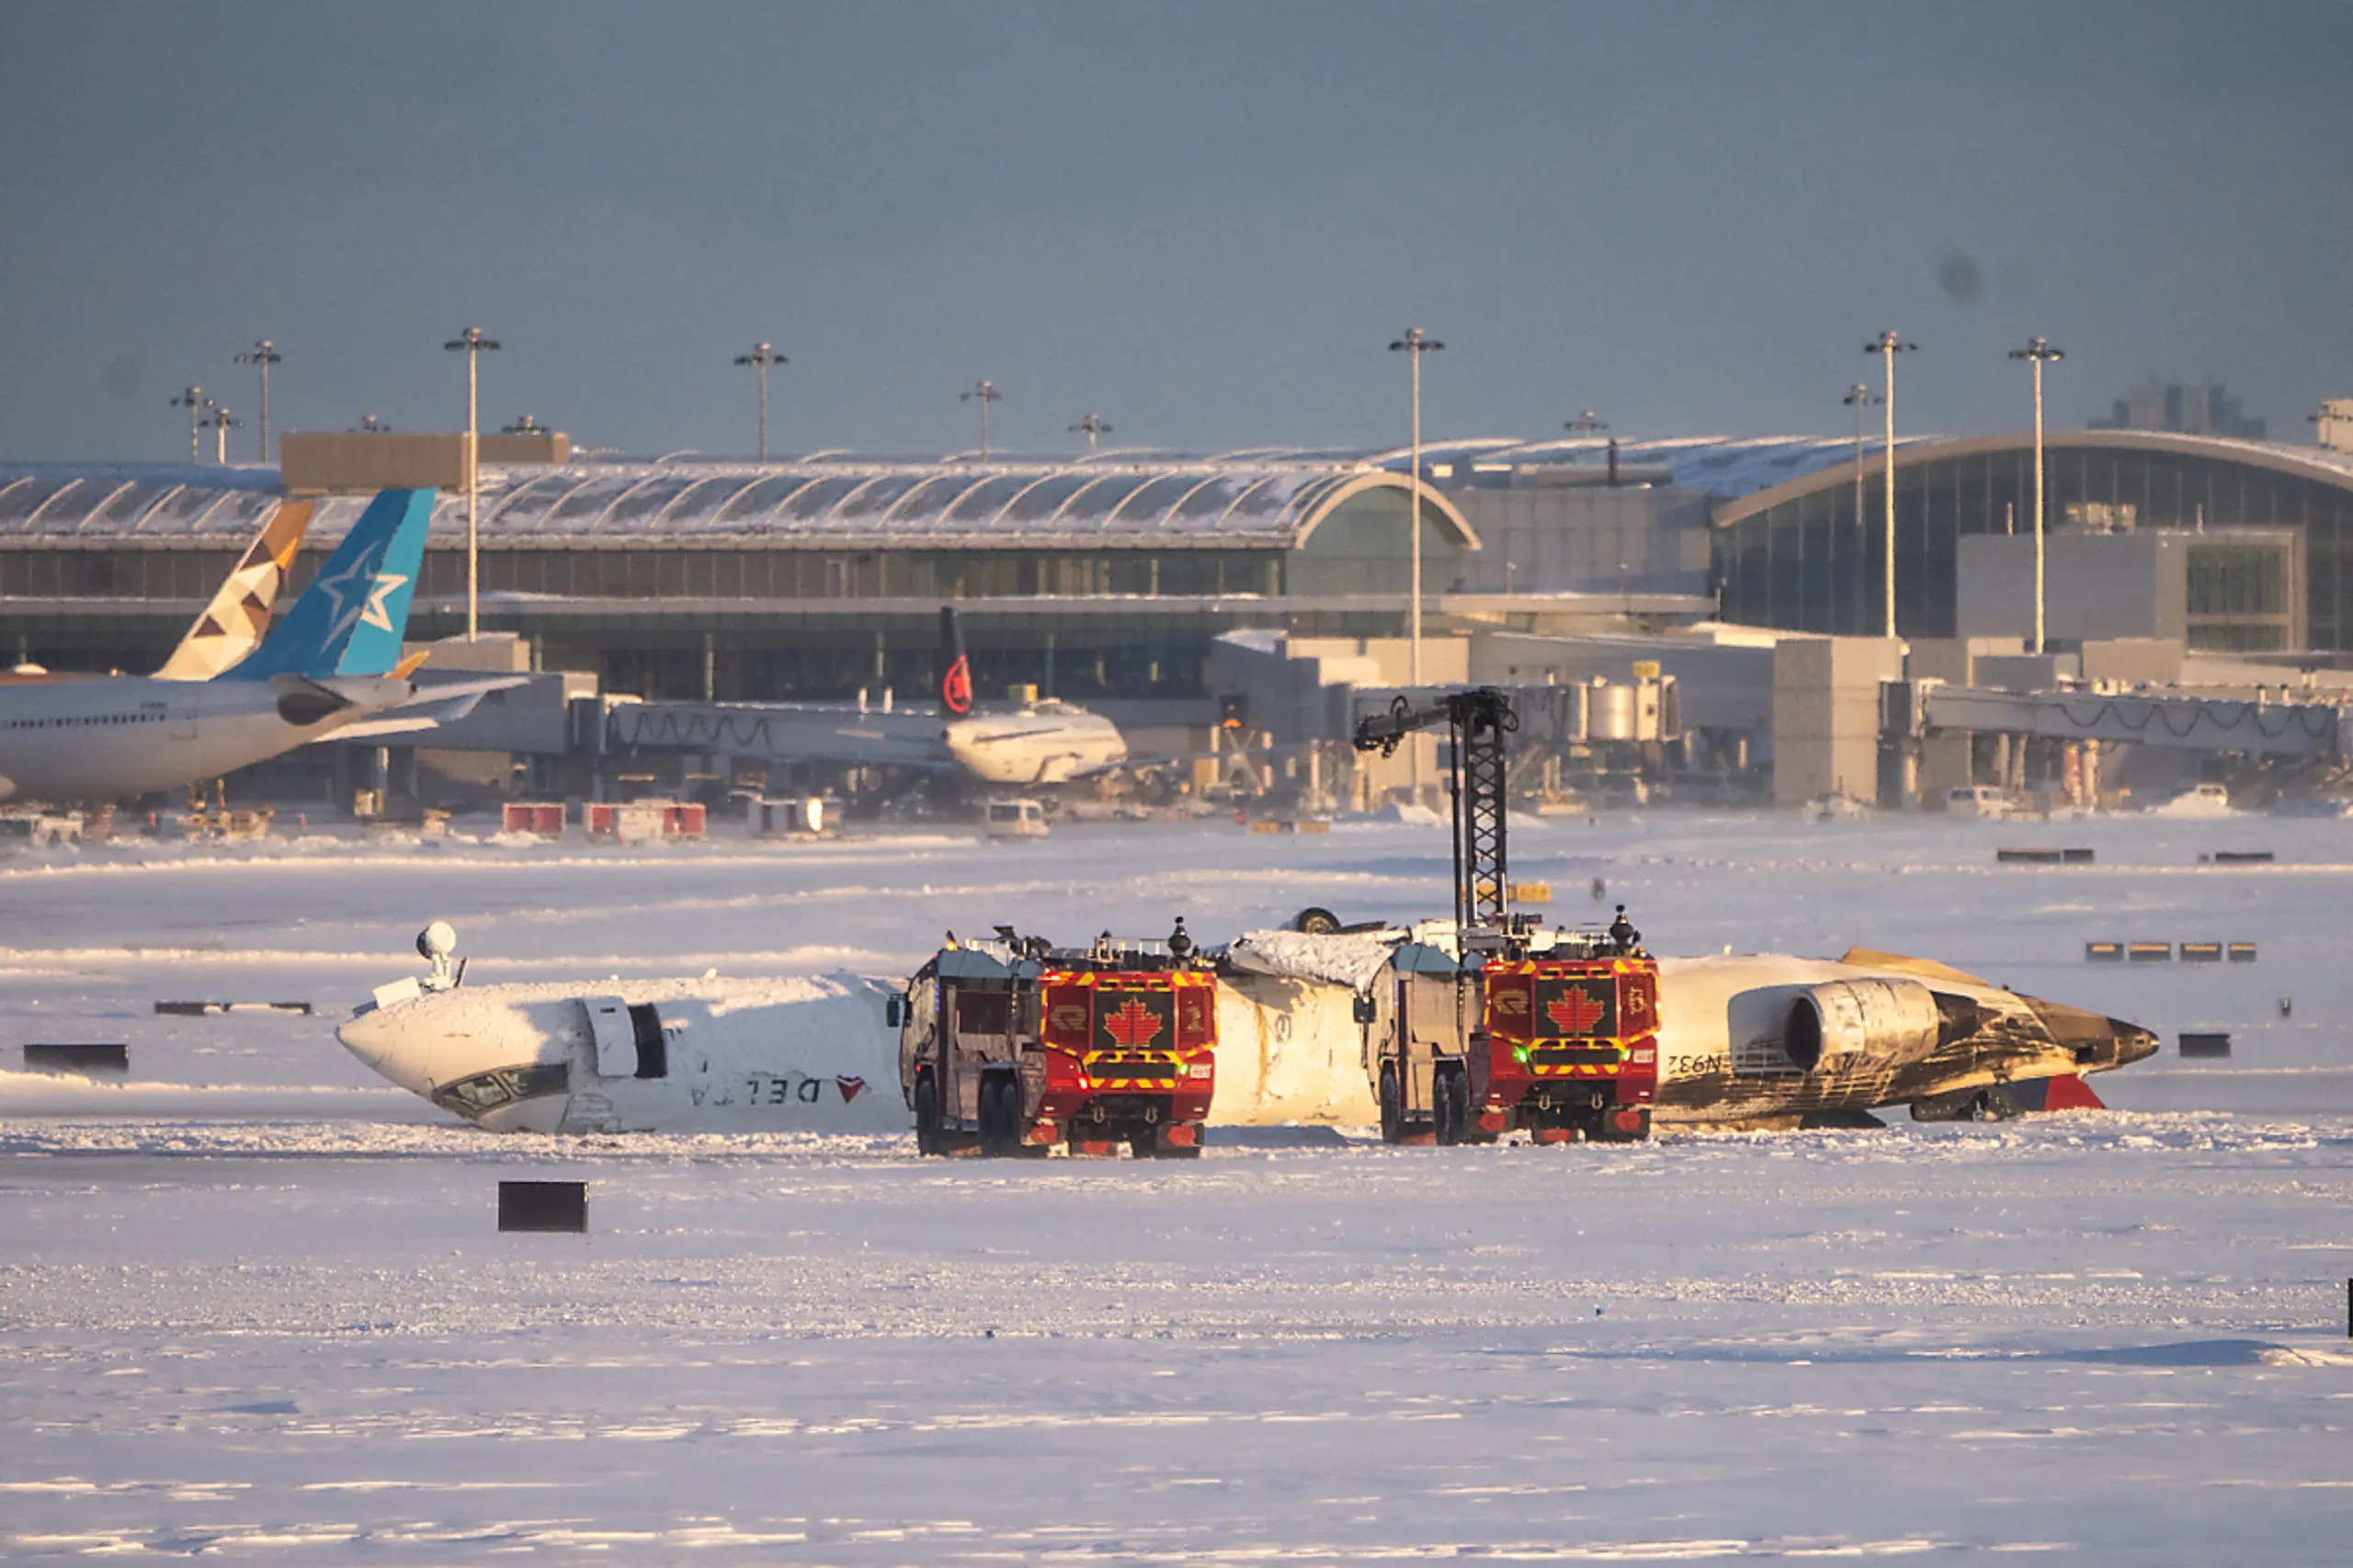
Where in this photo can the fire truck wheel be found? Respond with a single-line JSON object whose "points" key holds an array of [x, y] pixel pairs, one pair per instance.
{"points": [[1000, 1116], [927, 1115], [1393, 1112], [1612, 1126], [1448, 1105]]}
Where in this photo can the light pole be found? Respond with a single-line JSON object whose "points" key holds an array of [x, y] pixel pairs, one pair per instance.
{"points": [[263, 354], [762, 356], [1860, 397], [1091, 427], [473, 344], [985, 393], [1887, 345], [2038, 351], [196, 402], [221, 424], [1413, 345]]}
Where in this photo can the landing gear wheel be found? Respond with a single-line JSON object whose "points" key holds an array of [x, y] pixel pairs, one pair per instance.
{"points": [[928, 1139], [1448, 1105], [1393, 1112], [1315, 921]]}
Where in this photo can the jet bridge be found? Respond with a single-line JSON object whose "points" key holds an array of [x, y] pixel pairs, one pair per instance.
{"points": [[2188, 723], [771, 732]]}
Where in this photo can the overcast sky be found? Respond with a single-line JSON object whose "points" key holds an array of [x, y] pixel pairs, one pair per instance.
{"points": [[1205, 222]]}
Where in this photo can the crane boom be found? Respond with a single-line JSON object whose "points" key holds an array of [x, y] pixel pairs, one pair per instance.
{"points": [[1478, 719]]}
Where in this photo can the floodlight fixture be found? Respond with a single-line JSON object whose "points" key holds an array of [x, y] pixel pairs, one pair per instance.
{"points": [[2039, 352], [262, 356], [474, 346], [196, 402], [985, 393], [1887, 345], [762, 356]]}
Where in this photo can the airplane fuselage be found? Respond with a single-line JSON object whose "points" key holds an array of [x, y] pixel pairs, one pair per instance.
{"points": [[784, 1054], [98, 740], [1045, 743]]}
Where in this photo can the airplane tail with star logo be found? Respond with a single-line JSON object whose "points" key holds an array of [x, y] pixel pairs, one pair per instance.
{"points": [[349, 621]]}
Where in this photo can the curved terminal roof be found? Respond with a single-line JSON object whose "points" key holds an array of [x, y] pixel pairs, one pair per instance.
{"points": [[1264, 497], [1158, 503], [2322, 463]]}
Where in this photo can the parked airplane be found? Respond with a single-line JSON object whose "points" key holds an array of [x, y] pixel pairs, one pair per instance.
{"points": [[333, 661], [1044, 742], [232, 626], [1734, 1048]]}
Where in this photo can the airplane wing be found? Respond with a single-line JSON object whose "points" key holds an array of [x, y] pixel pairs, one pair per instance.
{"points": [[1927, 969], [441, 703]]}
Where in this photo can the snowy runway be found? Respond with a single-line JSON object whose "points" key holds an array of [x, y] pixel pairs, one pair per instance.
{"points": [[234, 1324]]}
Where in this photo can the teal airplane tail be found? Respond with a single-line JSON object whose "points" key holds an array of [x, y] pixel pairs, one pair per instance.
{"points": [[349, 621]]}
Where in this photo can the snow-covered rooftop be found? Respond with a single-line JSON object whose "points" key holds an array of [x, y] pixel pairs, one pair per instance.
{"points": [[1264, 497], [1262, 502]]}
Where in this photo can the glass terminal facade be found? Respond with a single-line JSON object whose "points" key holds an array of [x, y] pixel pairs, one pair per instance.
{"points": [[1088, 580], [1800, 558]]}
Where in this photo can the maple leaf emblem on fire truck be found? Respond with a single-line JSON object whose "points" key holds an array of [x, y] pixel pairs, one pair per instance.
{"points": [[1575, 1011], [1132, 1026]]}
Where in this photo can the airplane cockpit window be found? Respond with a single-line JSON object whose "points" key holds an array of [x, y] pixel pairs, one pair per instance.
{"points": [[474, 1098]]}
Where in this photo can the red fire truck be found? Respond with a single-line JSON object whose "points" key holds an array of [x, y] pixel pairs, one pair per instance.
{"points": [[1571, 1045], [1560, 1044], [1556, 1036], [1013, 1047]]}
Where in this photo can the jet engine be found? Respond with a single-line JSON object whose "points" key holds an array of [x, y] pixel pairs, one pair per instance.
{"points": [[1851, 1023]]}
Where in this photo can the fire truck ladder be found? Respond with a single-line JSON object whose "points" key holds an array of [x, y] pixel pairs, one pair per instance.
{"points": [[1479, 720]]}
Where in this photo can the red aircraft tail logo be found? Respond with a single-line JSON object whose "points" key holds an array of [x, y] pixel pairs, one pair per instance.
{"points": [[1132, 1026], [1575, 1011], [956, 691]]}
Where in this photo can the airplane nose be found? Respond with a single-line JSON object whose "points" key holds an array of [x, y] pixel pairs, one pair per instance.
{"points": [[2097, 1040], [380, 1043], [2133, 1043]]}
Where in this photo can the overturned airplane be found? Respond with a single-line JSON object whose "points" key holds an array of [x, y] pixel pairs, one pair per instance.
{"points": [[1595, 1044]]}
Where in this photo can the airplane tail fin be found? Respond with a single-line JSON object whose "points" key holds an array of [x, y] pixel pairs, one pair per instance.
{"points": [[956, 684], [233, 625], [349, 621]]}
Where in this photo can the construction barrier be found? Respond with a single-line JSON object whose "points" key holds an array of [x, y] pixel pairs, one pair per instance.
{"points": [[87, 1059], [642, 822], [543, 1206], [544, 818], [2206, 1044], [2037, 856]]}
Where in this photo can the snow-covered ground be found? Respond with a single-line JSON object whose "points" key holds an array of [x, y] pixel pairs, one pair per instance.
{"points": [[253, 1304]]}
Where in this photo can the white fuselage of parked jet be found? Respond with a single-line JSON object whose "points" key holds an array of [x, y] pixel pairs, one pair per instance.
{"points": [[98, 740], [817, 1055], [1044, 743]]}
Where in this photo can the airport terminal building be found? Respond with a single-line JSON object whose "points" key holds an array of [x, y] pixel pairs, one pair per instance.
{"points": [[1107, 579]]}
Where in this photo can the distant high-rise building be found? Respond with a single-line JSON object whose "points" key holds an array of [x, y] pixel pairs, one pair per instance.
{"points": [[2336, 422], [2187, 408]]}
